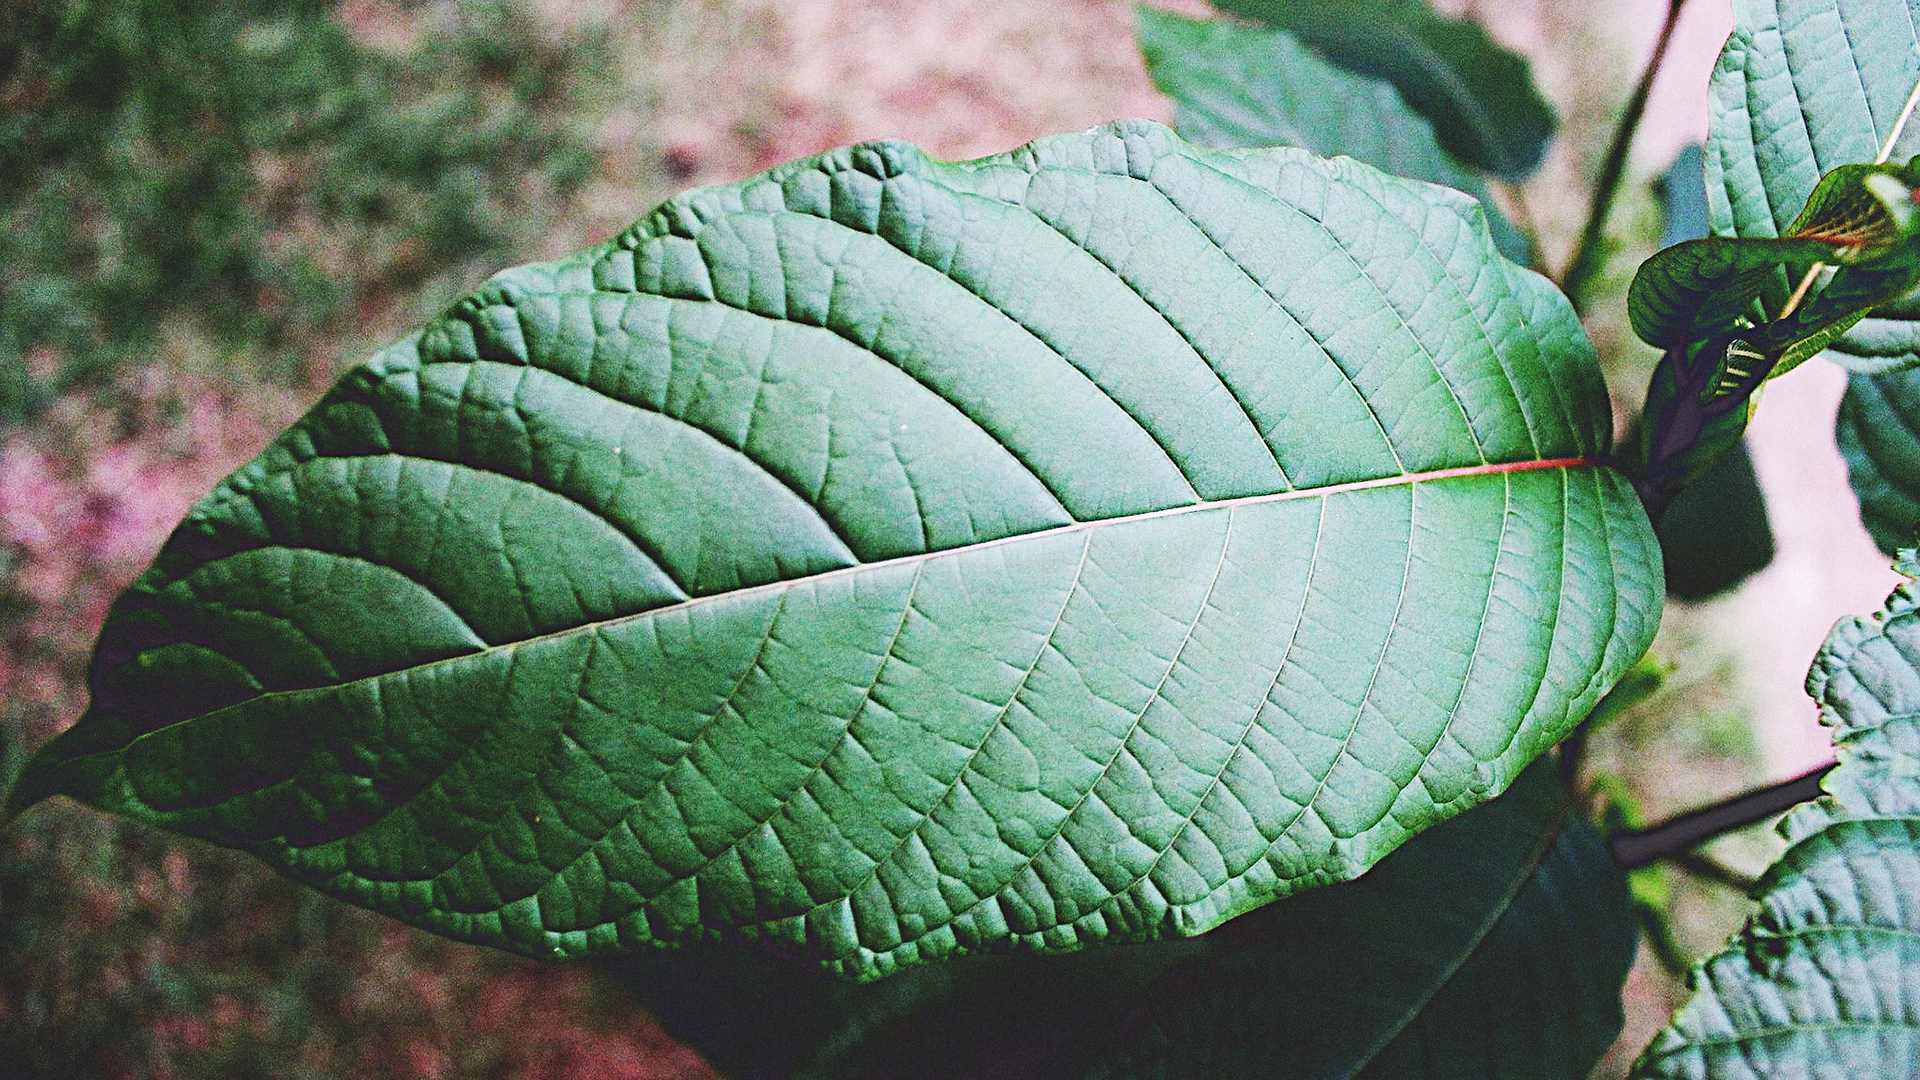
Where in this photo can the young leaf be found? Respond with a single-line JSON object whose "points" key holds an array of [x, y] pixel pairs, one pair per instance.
{"points": [[1715, 534], [1235, 85], [890, 559], [1879, 434], [1802, 88], [1454, 950], [1822, 981], [1860, 218], [1479, 95], [1697, 406]]}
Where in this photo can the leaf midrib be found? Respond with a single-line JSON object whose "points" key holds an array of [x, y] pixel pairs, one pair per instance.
{"points": [[1400, 480]]}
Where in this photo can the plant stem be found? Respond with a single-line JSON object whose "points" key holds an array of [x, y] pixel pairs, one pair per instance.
{"points": [[1677, 835], [1589, 255], [1711, 869]]}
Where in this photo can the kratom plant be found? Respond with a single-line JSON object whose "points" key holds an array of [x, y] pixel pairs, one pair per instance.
{"points": [[982, 613]]}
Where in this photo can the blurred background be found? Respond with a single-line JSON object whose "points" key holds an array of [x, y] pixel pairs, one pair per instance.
{"points": [[207, 212]]}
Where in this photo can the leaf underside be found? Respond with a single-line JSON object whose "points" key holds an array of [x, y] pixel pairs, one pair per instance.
{"points": [[1235, 85], [1803, 87], [887, 559], [1449, 958], [1825, 981]]}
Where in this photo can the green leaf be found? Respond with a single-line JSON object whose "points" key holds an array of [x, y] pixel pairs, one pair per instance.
{"points": [[1697, 407], [1454, 958], [1453, 950], [1479, 95], [1683, 198], [1822, 981], [1715, 534], [1700, 288], [1237, 86], [1879, 434], [1804, 87], [889, 559]]}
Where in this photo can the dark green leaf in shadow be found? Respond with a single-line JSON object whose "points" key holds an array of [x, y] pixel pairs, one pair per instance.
{"points": [[1454, 951], [1235, 85], [1715, 534], [1822, 982], [1495, 948], [1479, 94]]}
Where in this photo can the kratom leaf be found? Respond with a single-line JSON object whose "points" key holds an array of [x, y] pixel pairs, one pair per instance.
{"points": [[1455, 957], [1822, 983], [1804, 87], [1879, 434], [1235, 86], [1696, 410], [1683, 198], [1715, 534], [889, 559], [1700, 288], [1695, 290], [1453, 950], [1479, 94]]}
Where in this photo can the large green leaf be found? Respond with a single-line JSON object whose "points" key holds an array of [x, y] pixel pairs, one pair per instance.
{"points": [[890, 559], [1479, 95], [1454, 951], [1879, 434], [1825, 981], [1235, 85], [1803, 87]]}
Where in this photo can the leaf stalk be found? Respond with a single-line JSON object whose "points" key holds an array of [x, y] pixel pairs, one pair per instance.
{"points": [[1678, 835], [1589, 254]]}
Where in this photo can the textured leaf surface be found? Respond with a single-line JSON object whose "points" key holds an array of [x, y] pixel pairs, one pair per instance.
{"points": [[1802, 87], [1235, 85], [1683, 198], [1860, 219], [889, 559], [1479, 94], [1879, 434], [1450, 958], [1825, 981]]}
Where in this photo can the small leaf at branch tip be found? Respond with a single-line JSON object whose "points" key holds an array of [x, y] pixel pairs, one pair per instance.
{"points": [[1906, 563]]}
